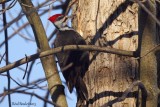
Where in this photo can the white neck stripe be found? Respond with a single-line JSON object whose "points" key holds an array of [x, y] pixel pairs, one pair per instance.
{"points": [[65, 28]]}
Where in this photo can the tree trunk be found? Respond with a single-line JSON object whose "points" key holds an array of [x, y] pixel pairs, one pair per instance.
{"points": [[111, 23], [148, 63]]}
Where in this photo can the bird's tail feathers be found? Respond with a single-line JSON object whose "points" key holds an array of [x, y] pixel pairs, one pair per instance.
{"points": [[81, 89], [71, 82]]}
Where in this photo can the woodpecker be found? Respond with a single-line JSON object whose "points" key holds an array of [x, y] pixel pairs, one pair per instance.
{"points": [[73, 64]]}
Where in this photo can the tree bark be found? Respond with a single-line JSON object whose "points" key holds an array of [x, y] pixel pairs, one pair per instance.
{"points": [[109, 23], [148, 63]]}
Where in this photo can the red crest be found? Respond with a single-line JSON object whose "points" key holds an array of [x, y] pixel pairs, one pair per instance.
{"points": [[54, 17]]}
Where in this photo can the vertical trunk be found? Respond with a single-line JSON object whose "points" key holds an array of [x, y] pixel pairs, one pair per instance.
{"points": [[158, 53], [112, 23], [148, 63], [54, 83]]}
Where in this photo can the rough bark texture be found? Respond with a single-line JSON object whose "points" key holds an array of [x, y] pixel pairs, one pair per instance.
{"points": [[148, 64], [158, 53], [112, 23]]}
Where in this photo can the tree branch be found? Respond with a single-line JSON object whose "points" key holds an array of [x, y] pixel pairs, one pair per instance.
{"points": [[66, 48], [49, 65], [6, 52]]}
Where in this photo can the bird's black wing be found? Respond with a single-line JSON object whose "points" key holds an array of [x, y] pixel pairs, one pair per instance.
{"points": [[68, 37]]}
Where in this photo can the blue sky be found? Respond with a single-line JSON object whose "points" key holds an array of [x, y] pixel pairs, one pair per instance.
{"points": [[18, 47]]}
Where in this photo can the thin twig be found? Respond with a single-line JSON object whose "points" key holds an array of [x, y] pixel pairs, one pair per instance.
{"points": [[14, 33], [2, 57], [26, 67], [9, 7], [23, 26], [23, 36], [149, 12], [17, 67], [51, 2], [34, 83], [70, 5], [22, 86], [31, 99], [46, 97], [49, 12], [29, 71], [151, 50], [28, 93], [7, 52], [52, 34], [21, 15]]}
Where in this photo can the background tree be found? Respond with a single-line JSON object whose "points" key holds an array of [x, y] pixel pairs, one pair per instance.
{"points": [[48, 63], [123, 46]]}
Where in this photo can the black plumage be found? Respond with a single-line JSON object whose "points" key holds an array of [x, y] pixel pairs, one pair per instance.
{"points": [[73, 63]]}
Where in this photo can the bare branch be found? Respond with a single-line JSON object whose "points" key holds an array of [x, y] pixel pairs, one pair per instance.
{"points": [[24, 25], [29, 71], [147, 11], [10, 63], [67, 48], [49, 65], [21, 15], [28, 93], [7, 53], [154, 49], [46, 97], [12, 35], [22, 86], [9, 7], [52, 1], [2, 57], [26, 67], [23, 36], [70, 5]]}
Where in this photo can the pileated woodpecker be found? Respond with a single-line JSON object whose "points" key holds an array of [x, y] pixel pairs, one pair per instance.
{"points": [[74, 63]]}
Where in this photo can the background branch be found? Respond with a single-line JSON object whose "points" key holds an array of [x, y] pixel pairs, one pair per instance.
{"points": [[48, 63], [6, 52]]}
